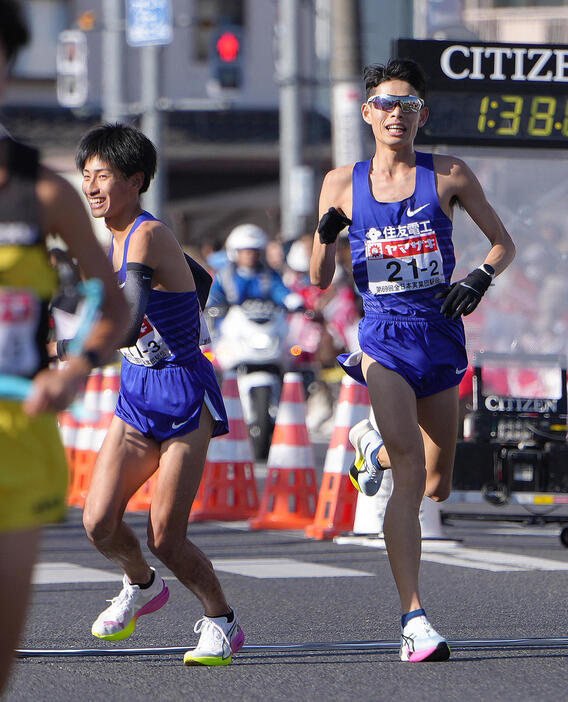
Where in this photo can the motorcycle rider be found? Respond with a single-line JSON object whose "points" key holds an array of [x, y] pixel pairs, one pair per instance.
{"points": [[251, 288], [247, 276]]}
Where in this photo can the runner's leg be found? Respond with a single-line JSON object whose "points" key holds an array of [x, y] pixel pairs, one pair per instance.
{"points": [[126, 460], [394, 405], [17, 557], [181, 466], [438, 419]]}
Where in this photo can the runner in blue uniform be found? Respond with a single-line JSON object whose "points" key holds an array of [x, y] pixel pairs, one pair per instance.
{"points": [[169, 404], [398, 206]]}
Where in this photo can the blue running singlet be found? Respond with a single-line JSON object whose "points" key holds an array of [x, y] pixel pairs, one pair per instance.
{"points": [[402, 255], [165, 378]]}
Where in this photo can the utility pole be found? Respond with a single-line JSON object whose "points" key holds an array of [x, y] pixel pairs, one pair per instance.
{"points": [[152, 122], [112, 95], [149, 27], [290, 116], [420, 17], [346, 92]]}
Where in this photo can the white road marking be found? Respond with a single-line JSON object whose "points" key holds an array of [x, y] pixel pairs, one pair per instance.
{"points": [[496, 561], [459, 556], [283, 568], [552, 531], [59, 573], [379, 542], [453, 554]]}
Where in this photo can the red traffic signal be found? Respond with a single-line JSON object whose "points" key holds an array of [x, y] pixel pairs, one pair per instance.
{"points": [[226, 53], [228, 47]]}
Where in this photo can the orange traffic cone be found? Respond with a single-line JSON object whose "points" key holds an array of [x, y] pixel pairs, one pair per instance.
{"points": [[228, 488], [110, 385], [335, 511], [105, 404], [68, 427], [88, 435], [92, 396], [82, 470], [80, 452], [290, 493]]}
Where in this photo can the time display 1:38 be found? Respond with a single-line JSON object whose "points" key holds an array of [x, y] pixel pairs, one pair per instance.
{"points": [[536, 115], [498, 117]]}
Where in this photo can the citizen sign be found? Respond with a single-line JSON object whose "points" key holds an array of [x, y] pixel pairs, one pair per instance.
{"points": [[494, 403], [529, 64]]}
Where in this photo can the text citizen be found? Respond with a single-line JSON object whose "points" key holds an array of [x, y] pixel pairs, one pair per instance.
{"points": [[519, 404], [543, 65]]}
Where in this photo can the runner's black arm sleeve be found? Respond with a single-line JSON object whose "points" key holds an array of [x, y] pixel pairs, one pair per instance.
{"points": [[202, 278], [137, 290]]}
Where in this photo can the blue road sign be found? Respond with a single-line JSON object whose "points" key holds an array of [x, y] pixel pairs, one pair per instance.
{"points": [[149, 22]]}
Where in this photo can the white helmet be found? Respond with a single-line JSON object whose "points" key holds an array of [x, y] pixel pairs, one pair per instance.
{"points": [[245, 236], [298, 257]]}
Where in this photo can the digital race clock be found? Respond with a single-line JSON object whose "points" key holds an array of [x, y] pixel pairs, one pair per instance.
{"points": [[493, 94]]}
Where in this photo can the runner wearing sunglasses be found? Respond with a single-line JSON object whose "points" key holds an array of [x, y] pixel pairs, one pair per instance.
{"points": [[387, 103], [399, 206]]}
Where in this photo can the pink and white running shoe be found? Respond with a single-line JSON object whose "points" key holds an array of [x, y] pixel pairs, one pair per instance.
{"points": [[421, 642], [118, 621]]}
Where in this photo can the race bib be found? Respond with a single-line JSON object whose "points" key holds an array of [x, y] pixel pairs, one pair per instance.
{"points": [[20, 312], [150, 348], [401, 264]]}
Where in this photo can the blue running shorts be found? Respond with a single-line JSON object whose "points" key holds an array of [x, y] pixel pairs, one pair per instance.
{"points": [[428, 353], [166, 402]]}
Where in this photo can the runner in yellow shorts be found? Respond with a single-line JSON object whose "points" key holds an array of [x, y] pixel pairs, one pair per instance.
{"points": [[33, 474]]}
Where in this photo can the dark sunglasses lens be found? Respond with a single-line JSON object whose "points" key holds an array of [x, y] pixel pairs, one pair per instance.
{"points": [[385, 104], [407, 104]]}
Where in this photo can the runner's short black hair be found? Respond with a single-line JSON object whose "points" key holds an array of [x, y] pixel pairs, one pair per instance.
{"points": [[395, 69], [121, 146], [14, 31]]}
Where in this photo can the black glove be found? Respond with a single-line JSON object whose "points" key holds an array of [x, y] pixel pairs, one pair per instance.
{"points": [[331, 223], [463, 296]]}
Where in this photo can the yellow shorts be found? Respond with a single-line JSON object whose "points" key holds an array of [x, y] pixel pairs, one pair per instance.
{"points": [[33, 469]]}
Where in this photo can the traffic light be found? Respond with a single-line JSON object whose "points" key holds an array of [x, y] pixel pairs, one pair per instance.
{"points": [[226, 57], [87, 20], [72, 72]]}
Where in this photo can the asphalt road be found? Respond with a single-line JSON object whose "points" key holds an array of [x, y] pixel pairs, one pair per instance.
{"points": [[310, 596]]}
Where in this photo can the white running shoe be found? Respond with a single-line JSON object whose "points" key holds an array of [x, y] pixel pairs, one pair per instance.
{"points": [[218, 641], [421, 642], [366, 475], [118, 621]]}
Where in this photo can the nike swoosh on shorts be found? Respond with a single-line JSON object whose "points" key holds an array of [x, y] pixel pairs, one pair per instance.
{"points": [[411, 213], [177, 425]]}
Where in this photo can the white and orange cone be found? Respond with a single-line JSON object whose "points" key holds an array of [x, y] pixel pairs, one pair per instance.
{"points": [[335, 511], [290, 493], [228, 487]]}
